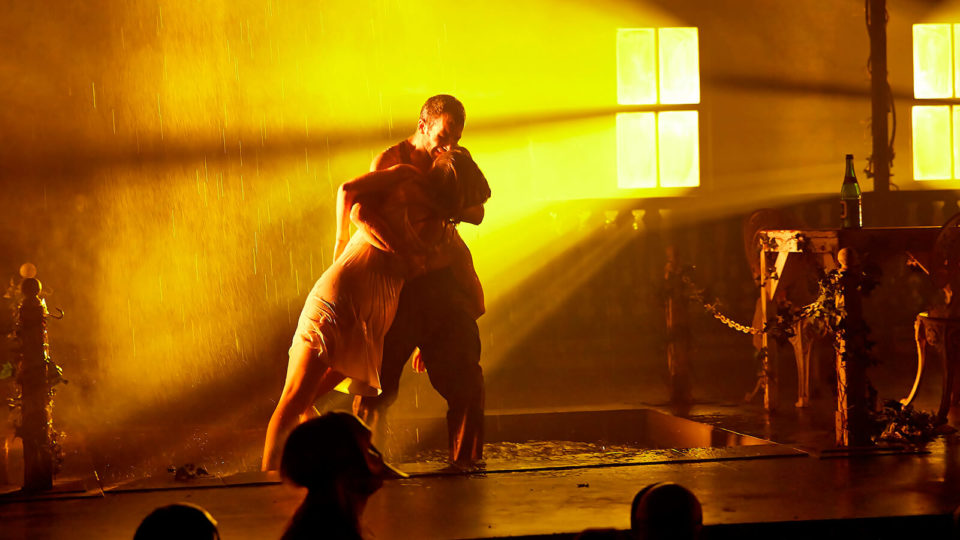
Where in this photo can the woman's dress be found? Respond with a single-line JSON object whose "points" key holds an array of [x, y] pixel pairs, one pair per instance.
{"points": [[350, 308]]}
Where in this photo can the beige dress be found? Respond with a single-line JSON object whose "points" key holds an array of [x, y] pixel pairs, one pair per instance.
{"points": [[351, 306]]}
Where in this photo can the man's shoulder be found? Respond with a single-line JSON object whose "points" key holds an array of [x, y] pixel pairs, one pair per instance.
{"points": [[395, 155]]}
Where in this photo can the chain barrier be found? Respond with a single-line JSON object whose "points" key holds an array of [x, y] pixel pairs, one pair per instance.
{"points": [[742, 328], [893, 422], [696, 294]]}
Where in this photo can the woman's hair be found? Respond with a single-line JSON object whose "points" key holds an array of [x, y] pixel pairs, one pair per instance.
{"points": [[456, 182], [322, 449]]}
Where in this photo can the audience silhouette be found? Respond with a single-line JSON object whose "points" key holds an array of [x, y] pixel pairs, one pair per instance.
{"points": [[666, 511], [333, 458], [180, 521]]}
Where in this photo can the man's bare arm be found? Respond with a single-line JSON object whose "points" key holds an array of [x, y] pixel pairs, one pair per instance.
{"points": [[384, 160]]}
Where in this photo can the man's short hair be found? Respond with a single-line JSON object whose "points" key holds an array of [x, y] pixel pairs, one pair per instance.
{"points": [[443, 104]]}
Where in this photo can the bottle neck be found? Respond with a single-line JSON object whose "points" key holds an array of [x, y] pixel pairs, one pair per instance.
{"points": [[850, 175]]}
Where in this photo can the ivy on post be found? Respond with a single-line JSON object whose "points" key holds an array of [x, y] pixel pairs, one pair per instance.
{"points": [[36, 377], [853, 414], [768, 285]]}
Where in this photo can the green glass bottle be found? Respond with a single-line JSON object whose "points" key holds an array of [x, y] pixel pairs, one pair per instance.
{"points": [[851, 212]]}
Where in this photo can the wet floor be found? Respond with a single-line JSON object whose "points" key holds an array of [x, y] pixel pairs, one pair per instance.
{"points": [[552, 487]]}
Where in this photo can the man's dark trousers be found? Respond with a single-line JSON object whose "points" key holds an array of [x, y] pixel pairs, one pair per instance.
{"points": [[431, 315]]}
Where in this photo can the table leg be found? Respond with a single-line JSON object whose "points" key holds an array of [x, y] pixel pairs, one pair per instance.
{"points": [[768, 283], [802, 347]]}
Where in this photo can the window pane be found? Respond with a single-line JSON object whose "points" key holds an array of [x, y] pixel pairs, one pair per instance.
{"points": [[956, 139], [636, 66], [679, 148], [636, 150], [932, 61], [931, 142], [679, 65]]}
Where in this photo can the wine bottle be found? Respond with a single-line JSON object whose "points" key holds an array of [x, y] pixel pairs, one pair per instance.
{"points": [[851, 208]]}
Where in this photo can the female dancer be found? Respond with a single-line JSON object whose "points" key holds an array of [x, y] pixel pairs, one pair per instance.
{"points": [[403, 219]]}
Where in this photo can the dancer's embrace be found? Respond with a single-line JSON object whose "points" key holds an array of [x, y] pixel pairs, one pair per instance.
{"points": [[405, 220]]}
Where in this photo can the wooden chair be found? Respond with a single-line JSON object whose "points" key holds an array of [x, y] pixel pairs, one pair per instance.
{"points": [[795, 287], [939, 327]]}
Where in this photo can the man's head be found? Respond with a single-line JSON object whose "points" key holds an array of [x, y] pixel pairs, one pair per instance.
{"points": [[441, 124]]}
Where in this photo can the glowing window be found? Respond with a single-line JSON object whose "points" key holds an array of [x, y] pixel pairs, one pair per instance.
{"points": [[678, 148], [679, 64], [932, 61], [931, 142], [636, 164], [658, 67], [936, 75], [636, 66]]}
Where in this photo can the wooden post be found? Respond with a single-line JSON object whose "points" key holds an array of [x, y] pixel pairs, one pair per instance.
{"points": [[678, 331], [36, 399], [852, 416], [880, 95]]}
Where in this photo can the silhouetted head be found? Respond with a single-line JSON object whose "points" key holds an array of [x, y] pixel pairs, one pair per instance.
{"points": [[666, 511], [333, 452], [181, 521], [441, 124], [30, 287], [456, 182]]}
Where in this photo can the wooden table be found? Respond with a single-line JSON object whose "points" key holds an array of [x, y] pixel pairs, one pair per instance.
{"points": [[778, 250]]}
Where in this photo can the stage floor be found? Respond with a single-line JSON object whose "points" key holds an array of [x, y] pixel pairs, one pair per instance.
{"points": [[757, 490]]}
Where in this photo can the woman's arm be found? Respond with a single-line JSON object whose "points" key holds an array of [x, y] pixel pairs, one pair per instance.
{"points": [[375, 228], [351, 190]]}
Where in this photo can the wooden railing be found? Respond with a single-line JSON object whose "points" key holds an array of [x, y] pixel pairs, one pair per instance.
{"points": [[616, 320]]}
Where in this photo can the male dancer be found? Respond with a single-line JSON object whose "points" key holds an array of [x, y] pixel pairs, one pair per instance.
{"points": [[435, 312]]}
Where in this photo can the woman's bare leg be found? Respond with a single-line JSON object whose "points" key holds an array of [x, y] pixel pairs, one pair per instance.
{"points": [[308, 377], [328, 381]]}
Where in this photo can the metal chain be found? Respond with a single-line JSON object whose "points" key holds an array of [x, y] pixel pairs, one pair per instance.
{"points": [[712, 309]]}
